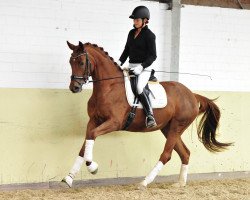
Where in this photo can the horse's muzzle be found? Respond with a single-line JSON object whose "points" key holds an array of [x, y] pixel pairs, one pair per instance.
{"points": [[75, 87]]}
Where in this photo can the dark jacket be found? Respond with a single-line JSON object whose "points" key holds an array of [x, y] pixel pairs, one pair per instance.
{"points": [[141, 49]]}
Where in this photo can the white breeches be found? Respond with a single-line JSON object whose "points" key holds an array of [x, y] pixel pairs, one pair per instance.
{"points": [[142, 78]]}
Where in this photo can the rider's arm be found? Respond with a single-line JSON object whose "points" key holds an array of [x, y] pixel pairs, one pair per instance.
{"points": [[151, 55], [125, 52]]}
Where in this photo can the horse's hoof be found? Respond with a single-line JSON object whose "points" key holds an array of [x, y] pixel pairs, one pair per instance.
{"points": [[93, 168], [94, 172], [142, 185], [67, 181], [63, 184]]}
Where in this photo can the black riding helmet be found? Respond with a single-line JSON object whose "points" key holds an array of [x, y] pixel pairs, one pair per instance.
{"points": [[140, 12]]}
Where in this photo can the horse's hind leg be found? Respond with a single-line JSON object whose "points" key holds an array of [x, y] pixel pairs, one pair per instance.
{"points": [[172, 132], [172, 135], [164, 158], [184, 154]]}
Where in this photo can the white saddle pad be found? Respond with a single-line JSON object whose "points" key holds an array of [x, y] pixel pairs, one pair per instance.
{"points": [[160, 100]]}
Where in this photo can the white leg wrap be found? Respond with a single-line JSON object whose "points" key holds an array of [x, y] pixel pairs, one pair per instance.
{"points": [[151, 176], [92, 167], [88, 153], [69, 180], [76, 167], [183, 175]]}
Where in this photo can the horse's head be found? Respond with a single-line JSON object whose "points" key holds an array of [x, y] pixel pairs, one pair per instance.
{"points": [[80, 65]]}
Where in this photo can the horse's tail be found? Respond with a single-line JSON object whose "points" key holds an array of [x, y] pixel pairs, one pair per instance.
{"points": [[209, 123]]}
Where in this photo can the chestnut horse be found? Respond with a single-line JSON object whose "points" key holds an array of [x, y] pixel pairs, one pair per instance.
{"points": [[108, 109]]}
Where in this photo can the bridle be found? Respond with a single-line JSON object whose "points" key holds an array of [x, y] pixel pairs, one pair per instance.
{"points": [[87, 71]]}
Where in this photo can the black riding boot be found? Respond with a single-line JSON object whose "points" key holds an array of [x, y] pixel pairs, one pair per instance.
{"points": [[144, 99], [152, 76]]}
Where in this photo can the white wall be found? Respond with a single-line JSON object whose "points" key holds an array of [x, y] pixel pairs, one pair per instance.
{"points": [[33, 34], [215, 42], [34, 54]]}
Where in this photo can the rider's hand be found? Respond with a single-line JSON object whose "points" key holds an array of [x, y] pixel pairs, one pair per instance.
{"points": [[119, 64], [138, 69]]}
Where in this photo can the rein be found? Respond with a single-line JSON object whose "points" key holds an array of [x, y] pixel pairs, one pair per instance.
{"points": [[87, 72], [105, 79]]}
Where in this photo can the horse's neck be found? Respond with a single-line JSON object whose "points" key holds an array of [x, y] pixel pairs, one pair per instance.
{"points": [[104, 69]]}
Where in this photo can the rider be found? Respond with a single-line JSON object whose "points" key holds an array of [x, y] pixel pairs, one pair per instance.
{"points": [[141, 50]]}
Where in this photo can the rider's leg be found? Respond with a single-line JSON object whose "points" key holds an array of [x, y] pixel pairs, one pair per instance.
{"points": [[144, 98]]}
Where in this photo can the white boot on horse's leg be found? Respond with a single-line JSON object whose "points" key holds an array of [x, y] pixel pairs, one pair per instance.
{"points": [[151, 176], [74, 170], [68, 180], [182, 177], [88, 156], [93, 167], [88, 153]]}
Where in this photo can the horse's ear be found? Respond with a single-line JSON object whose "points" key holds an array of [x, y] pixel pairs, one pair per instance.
{"points": [[71, 46], [81, 45]]}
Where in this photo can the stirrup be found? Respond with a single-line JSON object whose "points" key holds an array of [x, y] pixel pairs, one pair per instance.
{"points": [[150, 121]]}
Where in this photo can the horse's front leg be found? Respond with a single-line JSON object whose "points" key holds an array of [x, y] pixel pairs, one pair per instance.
{"points": [[86, 152]]}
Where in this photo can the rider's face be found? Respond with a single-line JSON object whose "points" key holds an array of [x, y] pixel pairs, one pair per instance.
{"points": [[138, 23]]}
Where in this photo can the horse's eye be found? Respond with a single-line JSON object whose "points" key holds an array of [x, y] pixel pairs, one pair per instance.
{"points": [[81, 63]]}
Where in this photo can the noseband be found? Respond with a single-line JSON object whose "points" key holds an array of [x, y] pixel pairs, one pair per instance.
{"points": [[87, 71]]}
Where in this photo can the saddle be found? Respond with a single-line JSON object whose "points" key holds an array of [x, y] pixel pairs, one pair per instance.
{"points": [[155, 91]]}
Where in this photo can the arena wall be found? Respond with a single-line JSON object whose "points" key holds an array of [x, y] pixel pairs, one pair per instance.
{"points": [[33, 50], [42, 131], [42, 124], [215, 42]]}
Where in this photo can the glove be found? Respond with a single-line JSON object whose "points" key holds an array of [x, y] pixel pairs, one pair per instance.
{"points": [[138, 69], [119, 64]]}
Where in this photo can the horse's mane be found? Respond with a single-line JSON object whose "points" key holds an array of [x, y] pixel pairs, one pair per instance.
{"points": [[101, 50]]}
